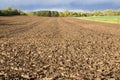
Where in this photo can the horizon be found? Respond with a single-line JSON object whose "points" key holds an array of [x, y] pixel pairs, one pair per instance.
{"points": [[58, 10], [61, 5]]}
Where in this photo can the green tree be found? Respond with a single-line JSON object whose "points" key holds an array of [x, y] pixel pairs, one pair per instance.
{"points": [[0, 13], [66, 13], [4, 13], [79, 14], [97, 13], [84, 14], [54, 14], [8, 8], [74, 14], [109, 12], [118, 12], [61, 14]]}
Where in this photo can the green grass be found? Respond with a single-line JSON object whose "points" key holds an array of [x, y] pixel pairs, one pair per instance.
{"points": [[108, 19]]}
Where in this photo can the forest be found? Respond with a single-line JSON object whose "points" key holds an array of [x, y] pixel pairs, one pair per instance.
{"points": [[46, 13]]}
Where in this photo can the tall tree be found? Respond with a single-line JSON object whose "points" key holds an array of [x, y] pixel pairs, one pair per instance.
{"points": [[9, 8]]}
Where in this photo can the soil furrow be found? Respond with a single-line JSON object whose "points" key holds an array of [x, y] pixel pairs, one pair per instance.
{"points": [[50, 48]]}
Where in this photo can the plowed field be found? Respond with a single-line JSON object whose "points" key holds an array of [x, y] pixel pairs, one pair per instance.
{"points": [[43, 48]]}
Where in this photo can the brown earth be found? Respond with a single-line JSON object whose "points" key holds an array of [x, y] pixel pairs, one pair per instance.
{"points": [[42, 48]]}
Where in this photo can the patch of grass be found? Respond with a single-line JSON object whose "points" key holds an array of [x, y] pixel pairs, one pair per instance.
{"points": [[109, 19]]}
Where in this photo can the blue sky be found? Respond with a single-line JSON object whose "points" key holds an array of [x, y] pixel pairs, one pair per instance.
{"points": [[87, 5]]}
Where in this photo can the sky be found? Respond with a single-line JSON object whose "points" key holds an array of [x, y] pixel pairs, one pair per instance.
{"points": [[75, 5]]}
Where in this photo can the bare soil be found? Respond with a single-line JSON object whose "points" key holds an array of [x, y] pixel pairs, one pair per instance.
{"points": [[43, 48]]}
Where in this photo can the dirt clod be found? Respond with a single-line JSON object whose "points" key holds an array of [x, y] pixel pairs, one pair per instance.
{"points": [[42, 48]]}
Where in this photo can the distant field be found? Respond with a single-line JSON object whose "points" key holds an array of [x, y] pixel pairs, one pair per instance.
{"points": [[109, 19]]}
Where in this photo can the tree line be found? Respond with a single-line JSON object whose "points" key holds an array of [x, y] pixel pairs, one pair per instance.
{"points": [[44, 13], [11, 12], [109, 12]]}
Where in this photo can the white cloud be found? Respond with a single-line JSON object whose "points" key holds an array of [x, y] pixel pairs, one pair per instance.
{"points": [[54, 2], [47, 3]]}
